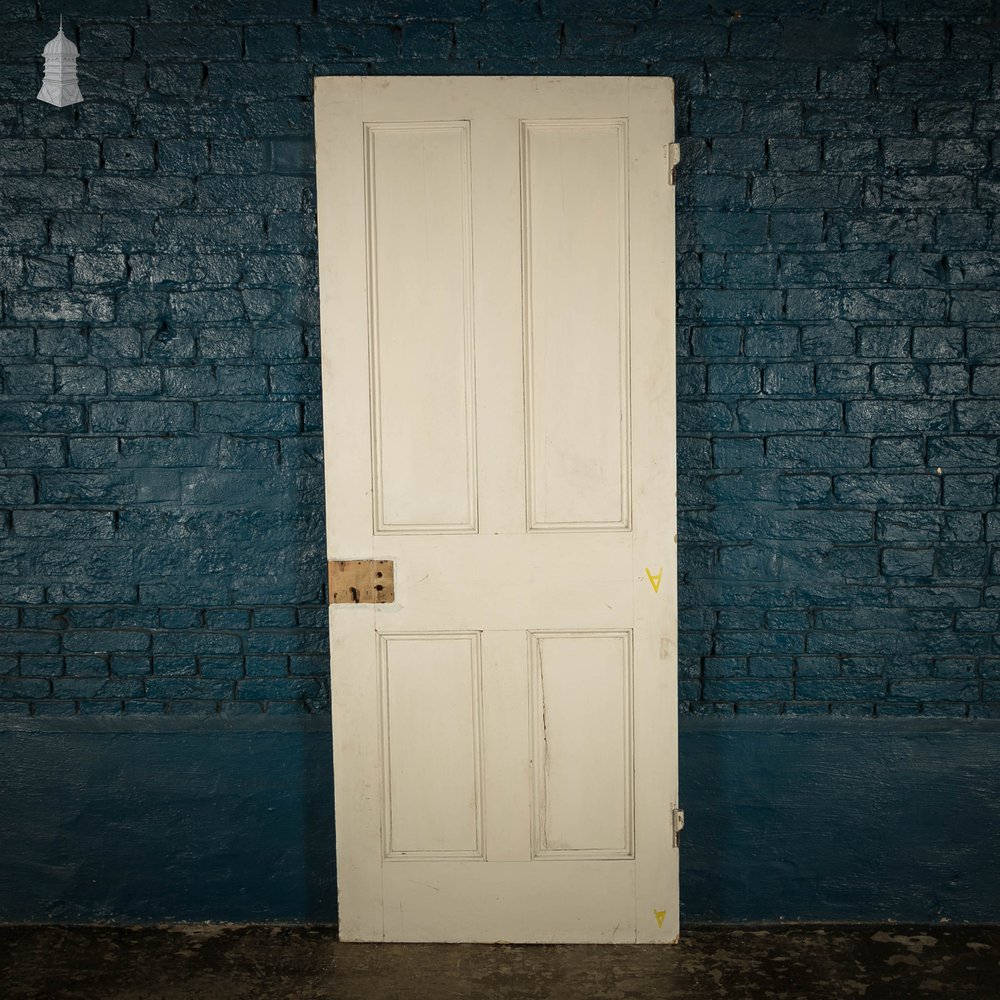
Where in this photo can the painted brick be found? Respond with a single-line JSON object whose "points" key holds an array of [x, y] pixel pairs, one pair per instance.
{"points": [[24, 687], [46, 271], [133, 381], [750, 689], [44, 618], [21, 452], [222, 667], [105, 640], [81, 380], [28, 380], [888, 489], [734, 154], [945, 117], [835, 269], [948, 380], [898, 452], [899, 380], [704, 416], [193, 42], [171, 688], [969, 491], [98, 269], [715, 117], [691, 380], [86, 666], [212, 231], [961, 561], [771, 341], [127, 154], [986, 380], [130, 665], [32, 417], [22, 156], [175, 666], [193, 246], [799, 229], [889, 417], [738, 453], [727, 229], [936, 690], [271, 41], [114, 343], [851, 154], [734, 379], [935, 597], [902, 229], [142, 416], [839, 689], [16, 343], [61, 306], [817, 666], [17, 489], [773, 666], [983, 344], [279, 689], [907, 562], [806, 452], [35, 666], [978, 415], [862, 118], [962, 451], [908, 152], [64, 523], [841, 380], [731, 304], [196, 642], [182, 156], [716, 341], [974, 307], [788, 379], [164, 342], [249, 418], [775, 416], [805, 489]]}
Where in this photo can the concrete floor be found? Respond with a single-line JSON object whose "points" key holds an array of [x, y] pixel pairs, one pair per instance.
{"points": [[297, 963]]}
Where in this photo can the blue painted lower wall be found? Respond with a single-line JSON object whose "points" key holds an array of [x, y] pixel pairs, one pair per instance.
{"points": [[849, 821], [854, 821], [141, 826]]}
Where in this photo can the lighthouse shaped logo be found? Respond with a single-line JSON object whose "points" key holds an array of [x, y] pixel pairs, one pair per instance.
{"points": [[59, 85]]}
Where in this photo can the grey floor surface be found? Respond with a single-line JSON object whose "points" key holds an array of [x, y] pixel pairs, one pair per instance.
{"points": [[302, 963]]}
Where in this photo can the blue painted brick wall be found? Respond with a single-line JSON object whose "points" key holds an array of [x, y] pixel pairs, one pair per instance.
{"points": [[839, 379]]}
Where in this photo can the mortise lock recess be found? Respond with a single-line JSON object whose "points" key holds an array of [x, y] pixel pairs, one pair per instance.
{"points": [[361, 581]]}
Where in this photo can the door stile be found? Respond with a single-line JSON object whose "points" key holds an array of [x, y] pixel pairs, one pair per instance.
{"points": [[655, 504], [354, 692]]}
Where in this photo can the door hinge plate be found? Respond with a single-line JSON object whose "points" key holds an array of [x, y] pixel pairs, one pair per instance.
{"points": [[361, 581], [678, 824]]}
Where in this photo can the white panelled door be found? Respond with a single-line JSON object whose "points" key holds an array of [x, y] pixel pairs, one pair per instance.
{"points": [[497, 281]]}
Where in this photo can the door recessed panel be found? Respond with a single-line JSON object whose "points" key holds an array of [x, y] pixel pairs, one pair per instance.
{"points": [[581, 706], [576, 319], [432, 745], [418, 191]]}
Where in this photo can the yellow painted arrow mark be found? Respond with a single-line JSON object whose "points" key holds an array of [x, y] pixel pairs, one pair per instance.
{"points": [[654, 579], [659, 914]]}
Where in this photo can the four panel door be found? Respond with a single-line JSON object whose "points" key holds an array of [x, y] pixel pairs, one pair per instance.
{"points": [[497, 283]]}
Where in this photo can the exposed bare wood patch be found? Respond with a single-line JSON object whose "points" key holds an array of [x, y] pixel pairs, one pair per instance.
{"points": [[361, 581]]}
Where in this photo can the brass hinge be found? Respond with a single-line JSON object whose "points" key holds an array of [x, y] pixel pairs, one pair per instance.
{"points": [[678, 824], [361, 581]]}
